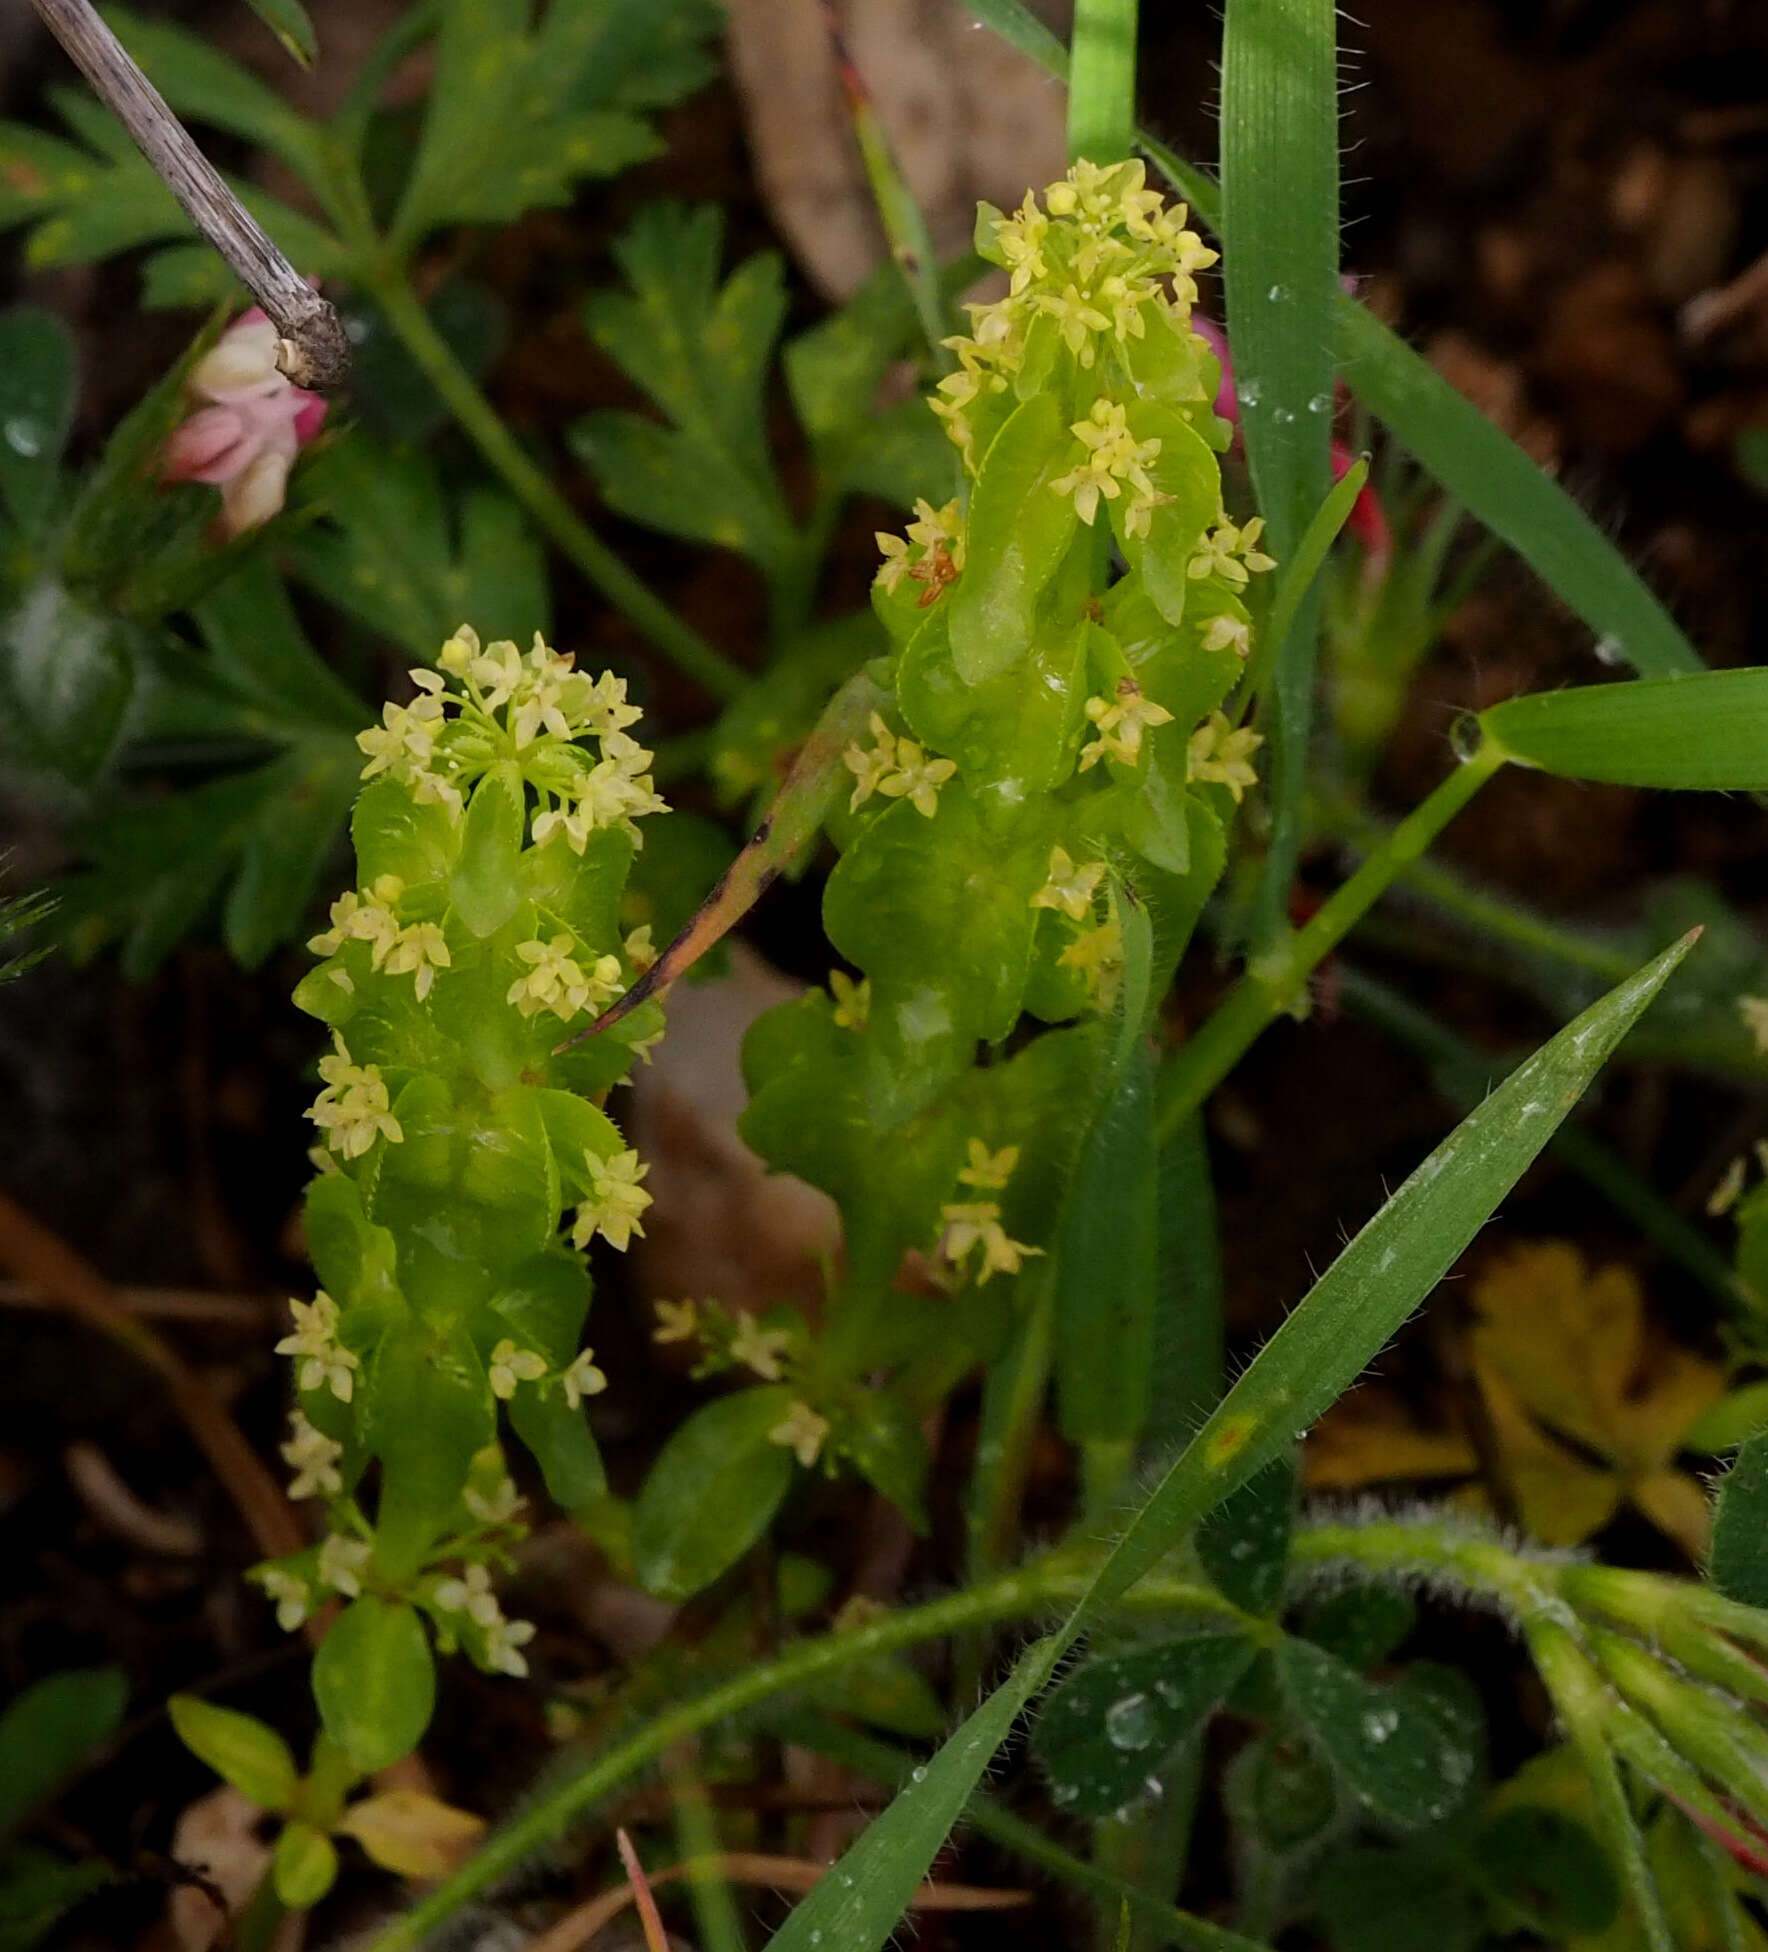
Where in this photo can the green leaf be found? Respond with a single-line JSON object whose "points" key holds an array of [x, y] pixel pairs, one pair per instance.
{"points": [[521, 111], [306, 799], [289, 22], [70, 673], [560, 1439], [94, 202], [1367, 1293], [1707, 731], [701, 352], [1244, 1542], [239, 1748], [1283, 1792], [1107, 1239], [427, 1413], [395, 553], [398, 402], [1280, 209], [38, 1889], [1017, 534], [1106, 1733], [1548, 1865], [375, 1682], [260, 652], [1396, 1901], [36, 410], [1737, 1563], [1507, 491], [304, 1865], [711, 1492], [1361, 1624], [201, 84], [1406, 1763], [50, 1729], [486, 889]]}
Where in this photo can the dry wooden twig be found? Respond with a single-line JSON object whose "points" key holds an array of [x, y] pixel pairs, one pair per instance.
{"points": [[314, 350]]}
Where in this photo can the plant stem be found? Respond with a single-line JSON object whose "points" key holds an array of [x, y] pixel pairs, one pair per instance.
{"points": [[1012, 1405], [1440, 1552], [629, 594], [1274, 980], [1034, 1590]]}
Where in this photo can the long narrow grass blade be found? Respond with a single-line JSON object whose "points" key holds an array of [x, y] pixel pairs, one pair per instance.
{"points": [[1312, 1359], [1280, 208], [1707, 731], [1102, 81], [1484, 469]]}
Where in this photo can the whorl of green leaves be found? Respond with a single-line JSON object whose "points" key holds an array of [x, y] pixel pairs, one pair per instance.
{"points": [[1037, 813], [459, 1132]]}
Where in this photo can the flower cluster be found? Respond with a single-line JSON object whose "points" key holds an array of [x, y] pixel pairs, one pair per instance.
{"points": [[531, 709], [353, 1109], [971, 1225], [769, 1350], [1104, 268], [898, 768], [931, 554]]}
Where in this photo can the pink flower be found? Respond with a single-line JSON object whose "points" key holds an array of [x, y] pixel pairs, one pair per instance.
{"points": [[1368, 519], [250, 423]]}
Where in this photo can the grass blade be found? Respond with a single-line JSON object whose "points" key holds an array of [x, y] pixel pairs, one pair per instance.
{"points": [[1705, 731], [1102, 81], [1312, 1359], [1499, 485], [1280, 208]]}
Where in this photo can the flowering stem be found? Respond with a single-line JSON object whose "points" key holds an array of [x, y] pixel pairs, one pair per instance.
{"points": [[677, 640], [1274, 980], [1032, 1591]]}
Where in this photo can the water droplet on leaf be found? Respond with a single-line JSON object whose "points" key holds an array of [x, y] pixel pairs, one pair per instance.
{"points": [[26, 437], [1129, 1723]]}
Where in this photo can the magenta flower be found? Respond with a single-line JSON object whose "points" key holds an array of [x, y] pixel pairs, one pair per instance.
{"points": [[251, 422], [1368, 519]]}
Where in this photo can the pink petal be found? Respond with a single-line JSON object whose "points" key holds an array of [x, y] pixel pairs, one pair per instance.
{"points": [[309, 415], [211, 446]]}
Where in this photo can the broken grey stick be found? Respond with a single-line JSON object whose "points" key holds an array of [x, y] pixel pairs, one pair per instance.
{"points": [[314, 350]]}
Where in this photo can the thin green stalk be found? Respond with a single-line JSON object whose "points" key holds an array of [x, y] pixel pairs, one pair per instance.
{"points": [[718, 1923], [1464, 1074], [1274, 980], [629, 594], [1102, 81], [1012, 1406], [1444, 1554], [1033, 1591]]}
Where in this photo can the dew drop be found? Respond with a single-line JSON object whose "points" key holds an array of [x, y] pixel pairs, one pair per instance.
{"points": [[1129, 1723], [1379, 1724], [1610, 651], [26, 437], [1248, 393], [1278, 294], [1466, 738], [1064, 1793], [917, 1774], [1320, 403], [1282, 416]]}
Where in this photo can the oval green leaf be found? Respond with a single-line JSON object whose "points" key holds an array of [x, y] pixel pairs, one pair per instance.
{"points": [[304, 1866], [375, 1682], [239, 1748], [710, 1494]]}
